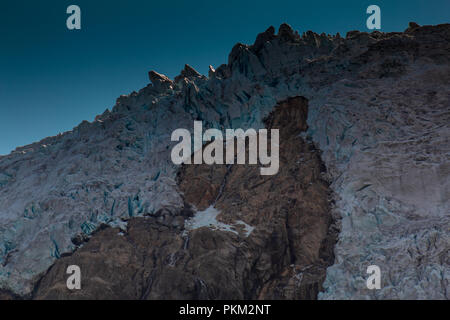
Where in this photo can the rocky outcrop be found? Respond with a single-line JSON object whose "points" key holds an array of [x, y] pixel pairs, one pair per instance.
{"points": [[293, 230], [189, 73], [165, 256], [378, 113], [160, 82]]}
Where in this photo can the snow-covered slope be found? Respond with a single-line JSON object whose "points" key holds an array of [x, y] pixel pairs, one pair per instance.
{"points": [[379, 108]]}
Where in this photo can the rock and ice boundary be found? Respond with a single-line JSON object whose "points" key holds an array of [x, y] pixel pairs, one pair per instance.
{"points": [[378, 111]]}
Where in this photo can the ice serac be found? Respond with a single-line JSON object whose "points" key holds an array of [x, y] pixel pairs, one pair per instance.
{"points": [[188, 72], [378, 111]]}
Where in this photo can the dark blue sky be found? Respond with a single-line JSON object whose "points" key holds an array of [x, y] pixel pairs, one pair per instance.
{"points": [[52, 78]]}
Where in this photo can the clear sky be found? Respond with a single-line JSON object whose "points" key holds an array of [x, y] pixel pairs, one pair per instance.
{"points": [[52, 78]]}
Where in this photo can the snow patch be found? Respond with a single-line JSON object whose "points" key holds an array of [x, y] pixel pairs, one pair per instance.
{"points": [[208, 218]]}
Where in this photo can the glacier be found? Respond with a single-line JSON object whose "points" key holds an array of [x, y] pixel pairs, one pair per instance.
{"points": [[378, 111]]}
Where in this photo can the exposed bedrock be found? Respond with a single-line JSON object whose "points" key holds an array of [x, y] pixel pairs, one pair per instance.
{"points": [[279, 243]]}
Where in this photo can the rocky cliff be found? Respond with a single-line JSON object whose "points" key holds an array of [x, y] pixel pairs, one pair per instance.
{"points": [[364, 150], [250, 236]]}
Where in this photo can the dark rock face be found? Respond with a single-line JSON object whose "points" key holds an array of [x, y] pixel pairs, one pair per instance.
{"points": [[8, 295], [284, 257], [294, 234]]}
